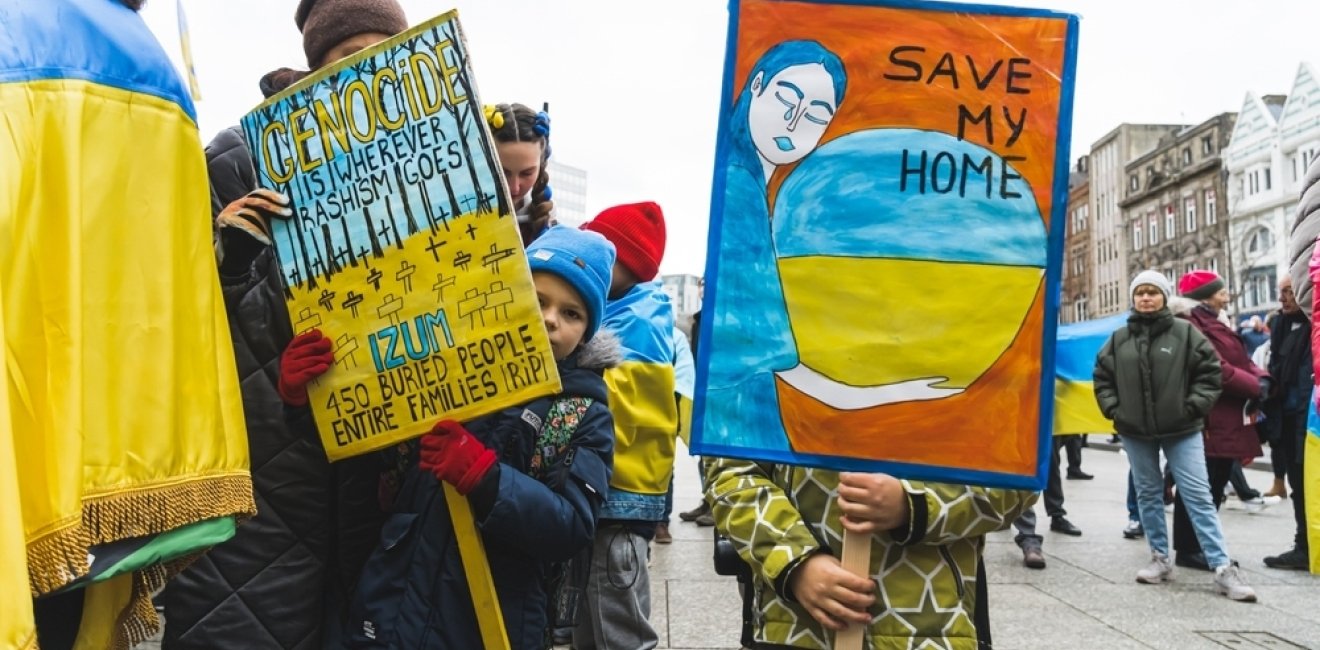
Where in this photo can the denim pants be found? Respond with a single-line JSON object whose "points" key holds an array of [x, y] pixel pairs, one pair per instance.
{"points": [[1186, 456]]}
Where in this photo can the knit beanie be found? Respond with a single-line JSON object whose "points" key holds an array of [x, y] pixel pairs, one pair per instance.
{"points": [[327, 23], [583, 259], [1154, 279], [1200, 284], [637, 231]]}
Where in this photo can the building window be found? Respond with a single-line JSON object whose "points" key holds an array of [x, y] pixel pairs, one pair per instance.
{"points": [[1210, 216], [1154, 230], [1212, 264], [1134, 183], [1294, 167], [1189, 209], [1079, 309], [1258, 241], [1259, 290], [1136, 236], [1187, 156], [1170, 227], [1267, 178], [1207, 145]]}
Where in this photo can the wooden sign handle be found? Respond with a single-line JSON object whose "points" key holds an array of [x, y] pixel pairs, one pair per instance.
{"points": [[857, 559], [490, 619]]}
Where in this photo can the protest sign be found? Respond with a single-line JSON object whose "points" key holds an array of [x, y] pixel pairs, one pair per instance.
{"points": [[402, 248], [883, 262]]}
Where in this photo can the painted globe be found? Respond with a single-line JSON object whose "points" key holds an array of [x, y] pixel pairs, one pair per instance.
{"points": [[906, 254]]}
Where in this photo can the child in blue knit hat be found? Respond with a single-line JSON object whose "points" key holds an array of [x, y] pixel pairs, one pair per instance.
{"points": [[535, 474]]}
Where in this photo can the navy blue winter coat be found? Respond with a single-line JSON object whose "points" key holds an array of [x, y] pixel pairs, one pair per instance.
{"points": [[413, 592]]}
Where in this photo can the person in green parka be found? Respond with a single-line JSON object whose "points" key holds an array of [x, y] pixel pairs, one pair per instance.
{"points": [[1157, 378]]}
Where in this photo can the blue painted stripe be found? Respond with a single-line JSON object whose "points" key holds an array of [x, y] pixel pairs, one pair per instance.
{"points": [[100, 41], [948, 7]]}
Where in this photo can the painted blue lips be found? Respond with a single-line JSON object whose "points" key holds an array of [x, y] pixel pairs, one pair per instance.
{"points": [[784, 144]]}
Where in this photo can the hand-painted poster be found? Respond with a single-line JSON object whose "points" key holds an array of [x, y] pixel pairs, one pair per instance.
{"points": [[402, 248], [883, 277]]}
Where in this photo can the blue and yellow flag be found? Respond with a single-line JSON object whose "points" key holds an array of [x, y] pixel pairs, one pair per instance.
{"points": [[685, 383], [185, 43], [1311, 477], [642, 390], [123, 402], [1075, 408]]}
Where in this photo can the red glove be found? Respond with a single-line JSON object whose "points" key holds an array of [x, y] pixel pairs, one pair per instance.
{"points": [[455, 456], [307, 357]]}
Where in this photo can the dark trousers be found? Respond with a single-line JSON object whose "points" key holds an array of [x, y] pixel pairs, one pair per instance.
{"points": [[1026, 522], [1218, 470], [1073, 445], [1291, 443]]}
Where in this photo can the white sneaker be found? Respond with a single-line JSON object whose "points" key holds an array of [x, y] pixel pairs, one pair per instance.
{"points": [[1159, 570], [1229, 582], [1258, 504], [1272, 499]]}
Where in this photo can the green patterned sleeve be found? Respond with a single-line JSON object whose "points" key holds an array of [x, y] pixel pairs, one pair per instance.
{"points": [[755, 513], [944, 512]]}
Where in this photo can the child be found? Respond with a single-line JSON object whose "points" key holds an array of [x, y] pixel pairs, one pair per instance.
{"points": [[645, 418], [926, 584], [535, 474], [522, 141]]}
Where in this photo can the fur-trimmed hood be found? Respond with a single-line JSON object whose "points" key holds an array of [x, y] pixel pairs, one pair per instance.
{"points": [[603, 351], [1181, 306]]}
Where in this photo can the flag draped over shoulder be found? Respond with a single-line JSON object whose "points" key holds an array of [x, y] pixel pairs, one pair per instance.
{"points": [[1075, 408], [124, 414], [642, 390]]}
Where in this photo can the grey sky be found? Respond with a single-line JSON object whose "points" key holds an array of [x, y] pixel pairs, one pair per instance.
{"points": [[633, 85]]}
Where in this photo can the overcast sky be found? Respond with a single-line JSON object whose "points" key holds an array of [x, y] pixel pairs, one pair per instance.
{"points": [[633, 85]]}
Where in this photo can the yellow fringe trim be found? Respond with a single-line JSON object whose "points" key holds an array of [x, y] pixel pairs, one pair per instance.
{"points": [[57, 558], [149, 510], [139, 621]]}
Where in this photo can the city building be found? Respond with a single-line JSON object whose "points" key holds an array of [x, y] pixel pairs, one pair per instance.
{"points": [[1108, 180], [568, 187], [1173, 204], [684, 291], [1076, 277], [1275, 138]]}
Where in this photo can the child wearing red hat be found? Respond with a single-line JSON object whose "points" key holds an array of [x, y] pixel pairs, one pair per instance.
{"points": [[618, 600]]}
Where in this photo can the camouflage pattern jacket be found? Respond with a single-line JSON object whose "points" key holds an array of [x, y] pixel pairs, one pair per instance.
{"points": [[779, 515]]}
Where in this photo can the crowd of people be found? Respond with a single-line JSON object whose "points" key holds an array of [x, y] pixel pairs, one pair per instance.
{"points": [[569, 491]]}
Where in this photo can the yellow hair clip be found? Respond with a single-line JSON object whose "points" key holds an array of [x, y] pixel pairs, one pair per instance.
{"points": [[494, 116]]}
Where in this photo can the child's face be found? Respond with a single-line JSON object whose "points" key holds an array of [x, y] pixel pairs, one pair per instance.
{"points": [[563, 311]]}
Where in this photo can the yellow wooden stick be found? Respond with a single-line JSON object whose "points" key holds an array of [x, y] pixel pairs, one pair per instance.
{"points": [[857, 559], [477, 568]]}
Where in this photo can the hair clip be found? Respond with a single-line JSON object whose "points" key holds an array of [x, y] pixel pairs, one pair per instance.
{"points": [[546, 193], [542, 125], [494, 116]]}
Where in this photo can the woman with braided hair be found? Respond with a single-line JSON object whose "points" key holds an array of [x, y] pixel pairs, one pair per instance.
{"points": [[522, 141]]}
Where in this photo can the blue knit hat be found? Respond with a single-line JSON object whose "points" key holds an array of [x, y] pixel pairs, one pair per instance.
{"points": [[584, 259]]}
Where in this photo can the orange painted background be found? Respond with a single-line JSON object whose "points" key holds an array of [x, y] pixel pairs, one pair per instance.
{"points": [[993, 426]]}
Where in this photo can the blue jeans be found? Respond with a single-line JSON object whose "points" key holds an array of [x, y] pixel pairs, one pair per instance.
{"points": [[1133, 515], [1186, 455]]}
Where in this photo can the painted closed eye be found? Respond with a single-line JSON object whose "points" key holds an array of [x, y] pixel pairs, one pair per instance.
{"points": [[816, 120], [792, 106]]}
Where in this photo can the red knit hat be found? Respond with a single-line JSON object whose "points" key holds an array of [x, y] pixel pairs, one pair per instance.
{"points": [[637, 231], [1200, 284]]}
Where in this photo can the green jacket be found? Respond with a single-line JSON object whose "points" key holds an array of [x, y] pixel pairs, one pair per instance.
{"points": [[779, 515], [1157, 376]]}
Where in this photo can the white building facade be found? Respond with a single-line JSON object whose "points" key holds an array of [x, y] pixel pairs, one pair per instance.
{"points": [[568, 188], [684, 291], [1274, 140]]}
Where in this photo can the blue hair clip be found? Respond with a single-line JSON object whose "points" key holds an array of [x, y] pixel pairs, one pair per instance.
{"points": [[548, 193], [542, 125]]}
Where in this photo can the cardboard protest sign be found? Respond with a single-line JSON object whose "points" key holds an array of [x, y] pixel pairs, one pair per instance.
{"points": [[403, 248], [883, 265]]}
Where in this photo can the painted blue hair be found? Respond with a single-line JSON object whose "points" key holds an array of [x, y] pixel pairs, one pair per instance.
{"points": [[775, 60]]}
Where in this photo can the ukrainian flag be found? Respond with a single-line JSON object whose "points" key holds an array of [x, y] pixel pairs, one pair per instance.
{"points": [[1075, 408], [685, 383], [1311, 478], [123, 406], [642, 390]]}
